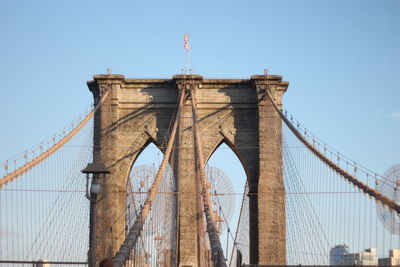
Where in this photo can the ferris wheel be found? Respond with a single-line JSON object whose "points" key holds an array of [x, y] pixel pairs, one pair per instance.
{"points": [[390, 187]]}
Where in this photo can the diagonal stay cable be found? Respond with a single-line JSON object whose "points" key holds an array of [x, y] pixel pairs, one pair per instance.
{"points": [[216, 248], [122, 255], [347, 176], [9, 177], [240, 219]]}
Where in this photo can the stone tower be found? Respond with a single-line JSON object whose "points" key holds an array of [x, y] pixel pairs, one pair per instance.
{"points": [[232, 111]]}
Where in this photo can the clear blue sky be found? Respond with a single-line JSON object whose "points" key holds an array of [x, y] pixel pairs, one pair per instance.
{"points": [[340, 57]]}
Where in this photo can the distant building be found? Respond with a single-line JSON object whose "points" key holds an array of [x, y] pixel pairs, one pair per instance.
{"points": [[367, 257], [43, 263], [393, 260], [336, 253]]}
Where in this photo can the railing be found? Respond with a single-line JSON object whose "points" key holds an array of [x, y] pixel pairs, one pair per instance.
{"points": [[41, 263]]}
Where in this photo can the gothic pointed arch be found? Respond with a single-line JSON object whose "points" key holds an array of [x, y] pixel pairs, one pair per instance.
{"points": [[225, 140]]}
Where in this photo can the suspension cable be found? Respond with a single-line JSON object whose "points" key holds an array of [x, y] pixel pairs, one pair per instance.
{"points": [[240, 219], [122, 255], [347, 176], [9, 177], [216, 248]]}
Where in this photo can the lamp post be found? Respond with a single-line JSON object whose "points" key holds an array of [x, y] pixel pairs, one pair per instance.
{"points": [[95, 176], [158, 240]]}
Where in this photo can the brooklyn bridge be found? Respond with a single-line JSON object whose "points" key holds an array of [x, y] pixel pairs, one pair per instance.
{"points": [[80, 197]]}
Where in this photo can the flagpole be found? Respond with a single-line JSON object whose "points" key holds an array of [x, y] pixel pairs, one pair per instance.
{"points": [[186, 45], [187, 60]]}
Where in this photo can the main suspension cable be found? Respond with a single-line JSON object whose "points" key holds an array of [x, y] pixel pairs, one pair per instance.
{"points": [[9, 177], [216, 248], [122, 255], [347, 176]]}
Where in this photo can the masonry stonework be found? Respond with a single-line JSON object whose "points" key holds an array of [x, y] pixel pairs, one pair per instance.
{"points": [[232, 111]]}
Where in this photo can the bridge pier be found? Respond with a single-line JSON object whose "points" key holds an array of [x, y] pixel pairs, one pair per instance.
{"points": [[271, 187], [192, 238], [234, 111]]}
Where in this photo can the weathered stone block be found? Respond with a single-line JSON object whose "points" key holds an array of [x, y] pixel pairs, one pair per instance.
{"points": [[234, 111]]}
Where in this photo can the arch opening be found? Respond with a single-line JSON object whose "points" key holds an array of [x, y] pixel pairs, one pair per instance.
{"points": [[226, 172], [156, 245]]}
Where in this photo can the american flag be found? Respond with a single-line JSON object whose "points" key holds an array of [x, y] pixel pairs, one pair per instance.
{"points": [[186, 39]]}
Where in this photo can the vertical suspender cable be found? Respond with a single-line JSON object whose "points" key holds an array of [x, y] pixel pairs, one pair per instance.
{"points": [[18, 172], [216, 248], [379, 197], [235, 240], [122, 255]]}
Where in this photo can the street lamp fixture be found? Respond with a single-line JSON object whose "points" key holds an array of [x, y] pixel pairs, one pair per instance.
{"points": [[95, 175]]}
